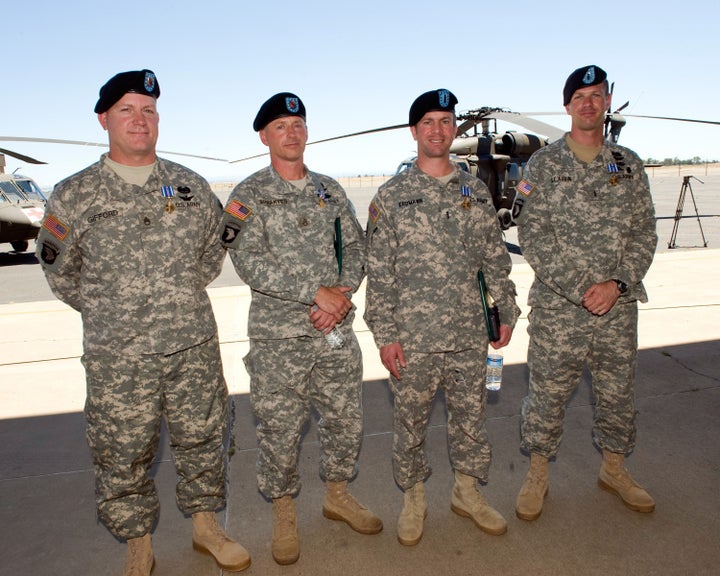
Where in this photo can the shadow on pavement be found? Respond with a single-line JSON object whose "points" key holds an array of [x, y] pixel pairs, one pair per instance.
{"points": [[48, 526]]}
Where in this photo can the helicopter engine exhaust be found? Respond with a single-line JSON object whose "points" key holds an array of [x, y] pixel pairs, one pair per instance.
{"points": [[516, 144]]}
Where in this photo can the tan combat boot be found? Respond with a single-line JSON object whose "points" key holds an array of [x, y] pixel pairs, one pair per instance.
{"points": [[285, 545], [615, 479], [530, 499], [340, 505], [139, 560], [210, 539], [410, 521], [467, 501]]}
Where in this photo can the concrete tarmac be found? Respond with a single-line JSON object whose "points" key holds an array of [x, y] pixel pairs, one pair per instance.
{"points": [[47, 516]]}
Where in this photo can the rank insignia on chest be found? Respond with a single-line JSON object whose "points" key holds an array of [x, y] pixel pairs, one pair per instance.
{"points": [[167, 191], [238, 209]]}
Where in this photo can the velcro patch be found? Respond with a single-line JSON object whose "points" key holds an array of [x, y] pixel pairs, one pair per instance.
{"points": [[238, 209], [57, 228], [49, 253], [374, 211], [525, 188], [231, 234]]}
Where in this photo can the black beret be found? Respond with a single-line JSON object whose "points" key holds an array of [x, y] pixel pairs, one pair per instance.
{"points": [[283, 104], [140, 81], [439, 99], [581, 78]]}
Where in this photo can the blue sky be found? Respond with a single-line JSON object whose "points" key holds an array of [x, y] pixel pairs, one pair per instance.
{"points": [[355, 65]]}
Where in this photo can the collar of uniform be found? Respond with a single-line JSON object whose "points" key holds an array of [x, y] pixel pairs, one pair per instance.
{"points": [[415, 171], [604, 150], [286, 186]]}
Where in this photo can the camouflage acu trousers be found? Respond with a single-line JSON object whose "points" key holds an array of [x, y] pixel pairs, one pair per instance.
{"points": [[289, 377], [126, 399], [561, 343], [462, 377]]}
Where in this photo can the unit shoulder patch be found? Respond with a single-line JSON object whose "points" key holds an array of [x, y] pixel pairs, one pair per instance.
{"points": [[374, 212]]}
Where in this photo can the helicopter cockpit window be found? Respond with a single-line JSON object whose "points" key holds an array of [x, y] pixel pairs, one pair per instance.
{"points": [[11, 193], [31, 189]]}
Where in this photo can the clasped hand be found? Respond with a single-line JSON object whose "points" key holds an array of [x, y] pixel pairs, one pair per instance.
{"points": [[600, 298], [330, 306]]}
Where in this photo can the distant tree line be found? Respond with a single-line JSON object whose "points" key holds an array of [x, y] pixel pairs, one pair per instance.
{"points": [[676, 161]]}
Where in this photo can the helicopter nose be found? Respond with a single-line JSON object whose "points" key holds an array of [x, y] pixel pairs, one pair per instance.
{"points": [[24, 215]]}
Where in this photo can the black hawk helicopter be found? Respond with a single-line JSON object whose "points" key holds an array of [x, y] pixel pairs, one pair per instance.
{"points": [[498, 158], [22, 205]]}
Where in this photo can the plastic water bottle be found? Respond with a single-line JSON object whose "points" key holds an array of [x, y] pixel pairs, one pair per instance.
{"points": [[335, 338], [493, 378]]}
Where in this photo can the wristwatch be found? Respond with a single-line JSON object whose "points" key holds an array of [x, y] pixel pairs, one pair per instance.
{"points": [[622, 287]]}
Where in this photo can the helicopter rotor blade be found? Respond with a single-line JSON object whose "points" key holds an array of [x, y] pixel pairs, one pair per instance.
{"points": [[98, 144], [674, 119], [361, 133], [22, 157], [696, 120], [249, 157], [532, 124], [522, 119]]}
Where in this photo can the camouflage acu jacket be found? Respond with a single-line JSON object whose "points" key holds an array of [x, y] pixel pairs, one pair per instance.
{"points": [[282, 242], [585, 223], [426, 243], [134, 261]]}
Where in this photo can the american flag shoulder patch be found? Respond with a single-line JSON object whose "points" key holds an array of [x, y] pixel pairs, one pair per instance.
{"points": [[238, 209], [56, 227], [374, 211], [525, 188]]}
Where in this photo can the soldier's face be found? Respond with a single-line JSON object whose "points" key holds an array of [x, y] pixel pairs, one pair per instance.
{"points": [[434, 134], [132, 126], [587, 107], [286, 138]]}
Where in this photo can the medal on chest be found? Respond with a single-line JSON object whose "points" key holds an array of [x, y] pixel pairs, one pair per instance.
{"points": [[169, 193], [466, 194], [322, 195], [613, 171]]}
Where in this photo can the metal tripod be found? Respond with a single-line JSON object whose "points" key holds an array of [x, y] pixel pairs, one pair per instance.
{"points": [[679, 210]]}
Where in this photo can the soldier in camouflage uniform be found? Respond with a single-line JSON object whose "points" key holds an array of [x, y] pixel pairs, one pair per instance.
{"points": [[587, 228], [294, 239], [431, 229], [131, 242]]}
